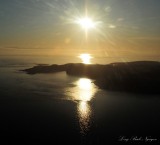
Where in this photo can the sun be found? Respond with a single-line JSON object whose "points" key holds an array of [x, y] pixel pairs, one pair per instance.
{"points": [[86, 23], [86, 58]]}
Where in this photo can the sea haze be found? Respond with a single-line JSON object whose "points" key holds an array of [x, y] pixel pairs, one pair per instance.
{"points": [[55, 108]]}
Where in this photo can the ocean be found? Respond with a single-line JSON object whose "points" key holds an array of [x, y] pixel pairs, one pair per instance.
{"points": [[55, 108]]}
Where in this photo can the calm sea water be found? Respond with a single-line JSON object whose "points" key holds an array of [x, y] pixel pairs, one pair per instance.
{"points": [[56, 108]]}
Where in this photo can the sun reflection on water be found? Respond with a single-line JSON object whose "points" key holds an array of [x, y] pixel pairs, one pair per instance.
{"points": [[86, 90], [83, 92], [84, 114]]}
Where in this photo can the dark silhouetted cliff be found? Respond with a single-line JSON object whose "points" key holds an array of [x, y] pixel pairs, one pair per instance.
{"points": [[136, 77]]}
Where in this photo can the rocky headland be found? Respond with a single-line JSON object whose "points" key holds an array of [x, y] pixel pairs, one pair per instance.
{"points": [[135, 77]]}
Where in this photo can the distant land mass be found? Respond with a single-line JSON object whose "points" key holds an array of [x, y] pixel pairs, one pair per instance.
{"points": [[134, 77]]}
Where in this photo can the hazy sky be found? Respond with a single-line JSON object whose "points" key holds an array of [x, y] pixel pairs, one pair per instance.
{"points": [[126, 27]]}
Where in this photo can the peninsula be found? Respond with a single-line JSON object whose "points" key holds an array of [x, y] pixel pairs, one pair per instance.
{"points": [[135, 77]]}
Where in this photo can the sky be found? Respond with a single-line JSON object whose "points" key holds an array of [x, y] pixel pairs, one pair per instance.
{"points": [[47, 27]]}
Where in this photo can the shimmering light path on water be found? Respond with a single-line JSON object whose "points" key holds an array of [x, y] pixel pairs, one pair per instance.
{"points": [[83, 92]]}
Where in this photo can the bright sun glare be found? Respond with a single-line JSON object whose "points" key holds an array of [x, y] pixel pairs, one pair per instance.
{"points": [[86, 58], [86, 89], [84, 83], [86, 23]]}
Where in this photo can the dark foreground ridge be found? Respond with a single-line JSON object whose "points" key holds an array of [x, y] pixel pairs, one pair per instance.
{"points": [[135, 77]]}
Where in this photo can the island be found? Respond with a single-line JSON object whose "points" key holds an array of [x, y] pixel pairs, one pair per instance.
{"points": [[134, 77]]}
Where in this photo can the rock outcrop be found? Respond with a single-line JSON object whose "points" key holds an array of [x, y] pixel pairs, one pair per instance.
{"points": [[136, 77]]}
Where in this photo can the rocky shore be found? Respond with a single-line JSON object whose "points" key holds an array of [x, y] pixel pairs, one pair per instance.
{"points": [[135, 77]]}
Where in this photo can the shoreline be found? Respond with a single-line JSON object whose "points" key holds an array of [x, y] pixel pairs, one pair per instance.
{"points": [[135, 77]]}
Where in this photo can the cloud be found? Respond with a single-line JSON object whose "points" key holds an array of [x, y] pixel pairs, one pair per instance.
{"points": [[9, 47], [19, 48], [120, 19], [112, 26], [147, 38]]}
